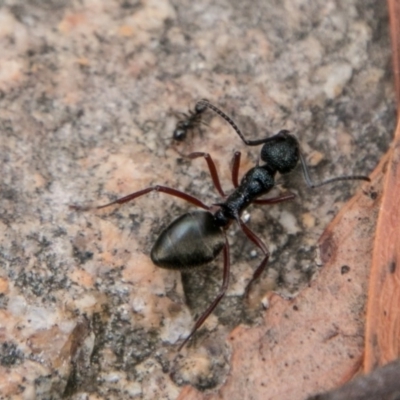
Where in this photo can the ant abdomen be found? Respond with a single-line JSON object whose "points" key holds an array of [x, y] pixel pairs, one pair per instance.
{"points": [[177, 247]]}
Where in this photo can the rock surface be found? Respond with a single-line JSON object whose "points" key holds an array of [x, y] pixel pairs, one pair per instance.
{"points": [[88, 94]]}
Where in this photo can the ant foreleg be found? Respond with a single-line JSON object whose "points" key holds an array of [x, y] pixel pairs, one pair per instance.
{"points": [[235, 168], [221, 293]]}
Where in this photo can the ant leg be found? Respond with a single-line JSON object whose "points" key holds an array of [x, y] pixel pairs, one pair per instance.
{"points": [[212, 169], [276, 200], [313, 185], [257, 241], [157, 188], [179, 115], [235, 168], [221, 293], [199, 124]]}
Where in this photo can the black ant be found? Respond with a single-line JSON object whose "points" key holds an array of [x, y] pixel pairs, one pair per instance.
{"points": [[191, 120], [197, 237]]}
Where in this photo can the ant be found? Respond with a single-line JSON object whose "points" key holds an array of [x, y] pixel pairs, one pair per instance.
{"points": [[197, 237], [190, 121]]}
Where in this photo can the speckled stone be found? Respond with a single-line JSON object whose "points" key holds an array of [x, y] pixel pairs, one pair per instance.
{"points": [[88, 94]]}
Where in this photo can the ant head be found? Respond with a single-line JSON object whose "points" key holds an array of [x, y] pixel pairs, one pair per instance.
{"points": [[281, 152], [180, 132], [201, 106]]}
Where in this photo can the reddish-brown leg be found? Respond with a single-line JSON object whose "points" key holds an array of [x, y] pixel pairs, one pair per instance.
{"points": [[211, 167], [257, 241], [157, 188], [235, 168], [221, 293], [276, 200]]}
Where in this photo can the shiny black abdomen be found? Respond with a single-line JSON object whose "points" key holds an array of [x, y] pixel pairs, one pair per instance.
{"points": [[192, 240]]}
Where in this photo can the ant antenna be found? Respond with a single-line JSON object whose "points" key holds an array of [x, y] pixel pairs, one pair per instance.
{"points": [[206, 103], [313, 185]]}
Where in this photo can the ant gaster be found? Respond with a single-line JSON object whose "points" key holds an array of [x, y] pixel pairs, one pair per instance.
{"points": [[197, 237]]}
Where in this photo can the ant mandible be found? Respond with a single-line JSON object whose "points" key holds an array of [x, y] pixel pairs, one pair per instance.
{"points": [[197, 237]]}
